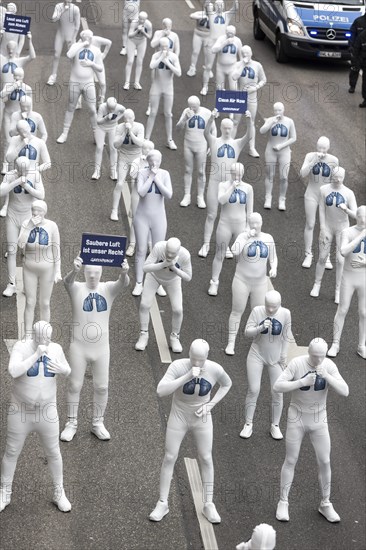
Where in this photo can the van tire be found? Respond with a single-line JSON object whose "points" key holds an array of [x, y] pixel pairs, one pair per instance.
{"points": [[257, 31], [281, 57]]}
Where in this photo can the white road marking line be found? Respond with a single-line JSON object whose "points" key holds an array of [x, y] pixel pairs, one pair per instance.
{"points": [[161, 340], [189, 4], [195, 482]]}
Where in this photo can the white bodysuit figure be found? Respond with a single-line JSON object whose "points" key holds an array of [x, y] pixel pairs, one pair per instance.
{"points": [[282, 134], [21, 188], [236, 199], [91, 308], [269, 327], [218, 23], [131, 10], [249, 77], [253, 250], [128, 141], [153, 186], [6, 37], [337, 202], [26, 144], [317, 168], [86, 60], [168, 264], [191, 381], [227, 48], [225, 152], [201, 37], [308, 378], [140, 31], [263, 538], [166, 32], [103, 45], [138, 164], [39, 240], [67, 17], [34, 365], [108, 116], [193, 120], [165, 65], [353, 249]]}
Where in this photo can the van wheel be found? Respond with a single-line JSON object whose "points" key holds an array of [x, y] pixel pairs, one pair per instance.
{"points": [[281, 57], [257, 31]]}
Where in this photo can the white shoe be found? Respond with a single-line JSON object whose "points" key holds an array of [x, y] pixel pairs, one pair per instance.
{"points": [[142, 341], [137, 291], [96, 174], [69, 431], [148, 111], [308, 260], [204, 90], [62, 138], [10, 290], [52, 79], [210, 512], [191, 71], [328, 263], [211, 75], [113, 174], [276, 432], [213, 288], [161, 509], [131, 249], [126, 86], [137, 86], [171, 145], [228, 254], [5, 167], [281, 204], [361, 351], [123, 51], [268, 203], [333, 350], [5, 498], [282, 511], [253, 153], [337, 296], [175, 343], [327, 510], [186, 201], [247, 430], [315, 290], [201, 201], [230, 349], [114, 216], [61, 501], [204, 250], [3, 213], [161, 292], [101, 432]]}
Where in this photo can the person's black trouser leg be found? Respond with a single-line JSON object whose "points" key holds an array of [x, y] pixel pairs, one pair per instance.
{"points": [[353, 76]]}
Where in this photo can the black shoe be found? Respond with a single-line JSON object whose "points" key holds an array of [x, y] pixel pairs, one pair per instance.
{"points": [[351, 90], [363, 104]]}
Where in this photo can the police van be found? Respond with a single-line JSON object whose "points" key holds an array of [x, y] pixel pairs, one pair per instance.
{"points": [[306, 28]]}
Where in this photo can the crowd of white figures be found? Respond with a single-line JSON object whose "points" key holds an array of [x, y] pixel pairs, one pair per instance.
{"points": [[35, 359]]}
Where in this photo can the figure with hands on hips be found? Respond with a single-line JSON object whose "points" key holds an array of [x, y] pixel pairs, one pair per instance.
{"points": [[131, 10], [91, 303], [201, 36], [317, 168], [308, 378], [39, 240], [168, 264], [227, 48], [153, 186], [140, 31], [236, 199], [269, 327], [34, 364], [263, 538], [193, 120], [21, 189], [191, 381], [225, 151], [128, 141], [353, 249], [108, 116], [67, 17], [254, 250], [282, 134], [250, 77], [336, 204]]}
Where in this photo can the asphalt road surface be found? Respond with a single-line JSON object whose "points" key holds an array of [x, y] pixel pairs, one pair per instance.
{"points": [[113, 486]]}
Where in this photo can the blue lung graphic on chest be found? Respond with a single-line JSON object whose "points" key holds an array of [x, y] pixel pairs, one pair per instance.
{"points": [[219, 20], [163, 66], [319, 383], [323, 168], [100, 302], [339, 199], [28, 151], [155, 187], [238, 195], [227, 150], [32, 125], [252, 249], [230, 48], [204, 23], [34, 370], [362, 244], [9, 67], [198, 121], [16, 95], [205, 386], [276, 327], [128, 139], [86, 54], [280, 129], [248, 72], [40, 234], [20, 189]]}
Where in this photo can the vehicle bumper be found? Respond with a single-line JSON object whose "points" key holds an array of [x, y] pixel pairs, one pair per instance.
{"points": [[315, 49]]}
